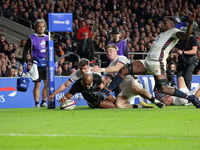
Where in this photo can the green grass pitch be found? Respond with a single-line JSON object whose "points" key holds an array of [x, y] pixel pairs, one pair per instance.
{"points": [[173, 128]]}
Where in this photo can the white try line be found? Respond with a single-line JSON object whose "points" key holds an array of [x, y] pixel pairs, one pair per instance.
{"points": [[112, 136], [15, 109]]}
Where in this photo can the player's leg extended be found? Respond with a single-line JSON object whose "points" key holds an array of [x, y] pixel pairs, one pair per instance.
{"points": [[137, 89], [136, 67], [161, 84]]}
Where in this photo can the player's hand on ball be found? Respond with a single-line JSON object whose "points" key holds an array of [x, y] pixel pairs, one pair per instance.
{"points": [[63, 99]]}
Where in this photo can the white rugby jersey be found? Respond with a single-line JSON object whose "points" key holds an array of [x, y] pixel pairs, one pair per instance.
{"points": [[162, 45], [123, 60], [78, 74]]}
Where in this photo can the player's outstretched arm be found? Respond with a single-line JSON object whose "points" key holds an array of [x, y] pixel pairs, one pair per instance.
{"points": [[111, 69], [60, 89], [187, 34]]}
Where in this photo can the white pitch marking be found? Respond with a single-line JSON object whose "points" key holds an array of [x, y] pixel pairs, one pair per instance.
{"points": [[113, 136]]}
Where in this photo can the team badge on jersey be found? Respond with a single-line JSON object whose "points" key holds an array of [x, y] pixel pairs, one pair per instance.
{"points": [[43, 44]]}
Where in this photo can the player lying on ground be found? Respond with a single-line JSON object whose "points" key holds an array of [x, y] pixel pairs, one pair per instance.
{"points": [[87, 84], [131, 86], [155, 62], [84, 67], [173, 100]]}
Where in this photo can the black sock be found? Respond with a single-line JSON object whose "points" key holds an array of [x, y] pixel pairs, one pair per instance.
{"points": [[135, 106], [115, 82], [36, 103], [43, 101], [180, 94], [152, 99]]}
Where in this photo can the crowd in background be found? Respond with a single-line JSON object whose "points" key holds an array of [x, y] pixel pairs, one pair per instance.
{"points": [[138, 20]]}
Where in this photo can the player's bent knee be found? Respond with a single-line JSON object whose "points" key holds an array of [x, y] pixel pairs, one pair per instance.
{"points": [[130, 68], [137, 88]]}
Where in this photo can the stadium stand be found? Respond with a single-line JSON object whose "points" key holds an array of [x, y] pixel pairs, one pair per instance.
{"points": [[138, 21]]}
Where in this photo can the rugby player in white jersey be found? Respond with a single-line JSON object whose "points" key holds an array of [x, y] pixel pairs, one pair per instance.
{"points": [[155, 62], [130, 86]]}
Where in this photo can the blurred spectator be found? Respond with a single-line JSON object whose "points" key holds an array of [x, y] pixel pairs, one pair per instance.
{"points": [[128, 16], [15, 46], [20, 72], [5, 49], [70, 65], [10, 49], [73, 36], [60, 62], [28, 57], [2, 42], [112, 5], [103, 58], [27, 22], [14, 61], [198, 72], [34, 16], [86, 47], [14, 17], [58, 71], [4, 71], [70, 48], [83, 29], [20, 11], [19, 51], [5, 8], [12, 72], [131, 57], [58, 51], [65, 69], [29, 65]]}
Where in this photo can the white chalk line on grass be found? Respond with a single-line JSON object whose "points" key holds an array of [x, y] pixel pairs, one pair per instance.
{"points": [[112, 136], [13, 109]]}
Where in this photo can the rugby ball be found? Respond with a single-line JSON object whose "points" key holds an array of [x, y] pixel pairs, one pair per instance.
{"points": [[67, 105]]}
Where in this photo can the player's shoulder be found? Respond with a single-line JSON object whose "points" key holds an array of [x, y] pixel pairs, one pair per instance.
{"points": [[174, 30], [122, 58]]}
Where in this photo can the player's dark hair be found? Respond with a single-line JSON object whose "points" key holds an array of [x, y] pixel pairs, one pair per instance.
{"points": [[82, 62], [172, 19]]}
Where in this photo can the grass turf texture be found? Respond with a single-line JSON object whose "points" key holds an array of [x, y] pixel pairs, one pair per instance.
{"points": [[100, 129]]}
